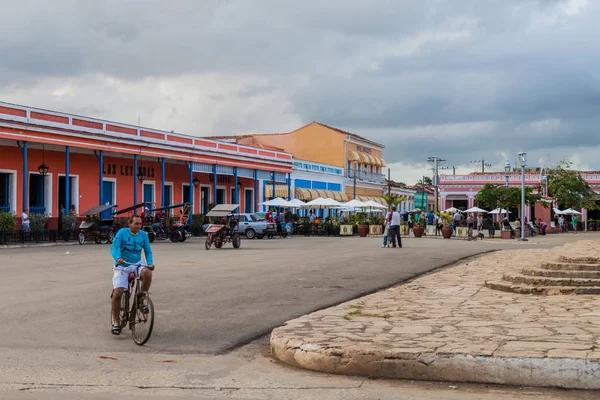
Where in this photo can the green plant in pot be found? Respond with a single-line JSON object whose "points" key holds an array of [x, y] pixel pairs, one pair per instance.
{"points": [[419, 227], [446, 220], [363, 224]]}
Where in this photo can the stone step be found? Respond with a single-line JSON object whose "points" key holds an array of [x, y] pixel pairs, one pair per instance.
{"points": [[557, 265], [547, 281], [540, 290], [556, 273], [580, 259]]}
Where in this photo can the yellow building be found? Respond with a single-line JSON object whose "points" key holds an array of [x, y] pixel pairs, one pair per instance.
{"points": [[360, 158]]}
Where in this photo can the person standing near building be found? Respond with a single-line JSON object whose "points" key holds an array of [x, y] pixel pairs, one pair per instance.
{"points": [[574, 220], [386, 232], [288, 220], [25, 221], [312, 219], [479, 224], [393, 218]]}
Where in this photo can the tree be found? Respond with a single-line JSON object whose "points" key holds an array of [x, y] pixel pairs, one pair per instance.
{"points": [[569, 188], [494, 196], [425, 181], [393, 200]]}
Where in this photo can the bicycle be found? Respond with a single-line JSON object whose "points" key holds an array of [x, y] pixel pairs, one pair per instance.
{"points": [[140, 323]]}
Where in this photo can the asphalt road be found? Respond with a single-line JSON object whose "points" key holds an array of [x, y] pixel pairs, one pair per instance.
{"points": [[207, 302]]}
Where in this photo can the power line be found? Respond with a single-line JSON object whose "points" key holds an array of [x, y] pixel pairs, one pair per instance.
{"points": [[436, 162], [483, 164]]}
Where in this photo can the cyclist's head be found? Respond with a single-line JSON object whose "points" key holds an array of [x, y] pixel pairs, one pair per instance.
{"points": [[135, 223]]}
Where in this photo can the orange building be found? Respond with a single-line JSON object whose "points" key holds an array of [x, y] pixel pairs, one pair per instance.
{"points": [[361, 159], [48, 159]]}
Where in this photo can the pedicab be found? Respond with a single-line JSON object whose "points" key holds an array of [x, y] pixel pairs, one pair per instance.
{"points": [[96, 228], [172, 227], [145, 226], [224, 231]]}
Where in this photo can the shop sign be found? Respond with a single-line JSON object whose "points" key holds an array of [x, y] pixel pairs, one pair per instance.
{"points": [[363, 149], [126, 170]]}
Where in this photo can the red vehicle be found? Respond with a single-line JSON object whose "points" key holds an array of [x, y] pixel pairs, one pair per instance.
{"points": [[224, 230]]}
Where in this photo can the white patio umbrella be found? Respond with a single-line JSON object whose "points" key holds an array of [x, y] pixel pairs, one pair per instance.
{"points": [[499, 211], [276, 202], [557, 211], [475, 210], [355, 204], [296, 203], [374, 204], [451, 210], [570, 211], [321, 203]]}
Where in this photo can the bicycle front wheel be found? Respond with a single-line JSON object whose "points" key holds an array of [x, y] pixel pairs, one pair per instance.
{"points": [[142, 325]]}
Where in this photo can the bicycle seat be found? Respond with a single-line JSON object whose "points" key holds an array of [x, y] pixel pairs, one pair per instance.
{"points": [[131, 277]]}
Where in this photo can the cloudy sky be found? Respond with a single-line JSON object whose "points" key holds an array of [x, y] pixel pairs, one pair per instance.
{"points": [[463, 80]]}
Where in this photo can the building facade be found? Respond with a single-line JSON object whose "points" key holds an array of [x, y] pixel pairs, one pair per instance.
{"points": [[460, 190], [90, 161], [321, 149]]}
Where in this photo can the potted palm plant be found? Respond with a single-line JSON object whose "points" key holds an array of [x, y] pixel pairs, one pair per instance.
{"points": [[363, 224], [446, 219], [419, 227]]}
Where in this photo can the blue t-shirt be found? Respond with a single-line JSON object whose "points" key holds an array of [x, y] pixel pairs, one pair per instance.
{"points": [[129, 246], [430, 218]]}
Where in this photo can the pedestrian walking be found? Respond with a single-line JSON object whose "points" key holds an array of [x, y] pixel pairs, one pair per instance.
{"points": [[393, 218], [386, 231]]}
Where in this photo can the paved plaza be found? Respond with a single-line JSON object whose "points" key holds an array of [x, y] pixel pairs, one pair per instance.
{"points": [[449, 326], [213, 312]]}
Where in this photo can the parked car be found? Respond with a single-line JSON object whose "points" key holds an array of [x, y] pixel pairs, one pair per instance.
{"points": [[253, 227]]}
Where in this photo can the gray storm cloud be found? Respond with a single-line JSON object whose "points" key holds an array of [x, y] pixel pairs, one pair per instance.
{"points": [[456, 79]]}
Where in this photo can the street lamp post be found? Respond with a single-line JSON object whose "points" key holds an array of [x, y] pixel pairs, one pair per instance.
{"points": [[523, 159], [507, 168]]}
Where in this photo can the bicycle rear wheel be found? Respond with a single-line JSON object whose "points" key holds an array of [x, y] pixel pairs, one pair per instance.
{"points": [[142, 325]]}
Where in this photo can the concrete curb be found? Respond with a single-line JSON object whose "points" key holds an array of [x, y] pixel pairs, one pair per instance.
{"points": [[400, 363]]}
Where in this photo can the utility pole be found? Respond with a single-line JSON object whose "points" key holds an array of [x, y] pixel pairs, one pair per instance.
{"points": [[389, 184], [483, 164], [436, 162]]}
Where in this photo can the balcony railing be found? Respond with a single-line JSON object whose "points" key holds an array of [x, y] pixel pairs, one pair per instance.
{"points": [[37, 210], [365, 176]]}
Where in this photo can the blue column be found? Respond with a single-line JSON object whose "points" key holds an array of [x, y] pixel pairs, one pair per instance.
{"points": [[101, 162], [236, 194], [135, 181], [289, 185], [162, 182], [191, 198], [274, 194], [215, 184], [25, 175], [255, 190], [67, 180], [264, 194]]}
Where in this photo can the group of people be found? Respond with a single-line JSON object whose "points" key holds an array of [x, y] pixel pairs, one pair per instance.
{"points": [[284, 222]]}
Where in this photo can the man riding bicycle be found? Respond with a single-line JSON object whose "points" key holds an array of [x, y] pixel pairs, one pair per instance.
{"points": [[127, 252]]}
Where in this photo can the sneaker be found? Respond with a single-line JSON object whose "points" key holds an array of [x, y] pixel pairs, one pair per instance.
{"points": [[142, 305], [382, 246], [116, 330]]}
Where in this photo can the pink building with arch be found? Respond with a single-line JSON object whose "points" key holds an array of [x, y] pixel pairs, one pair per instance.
{"points": [[460, 190]]}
